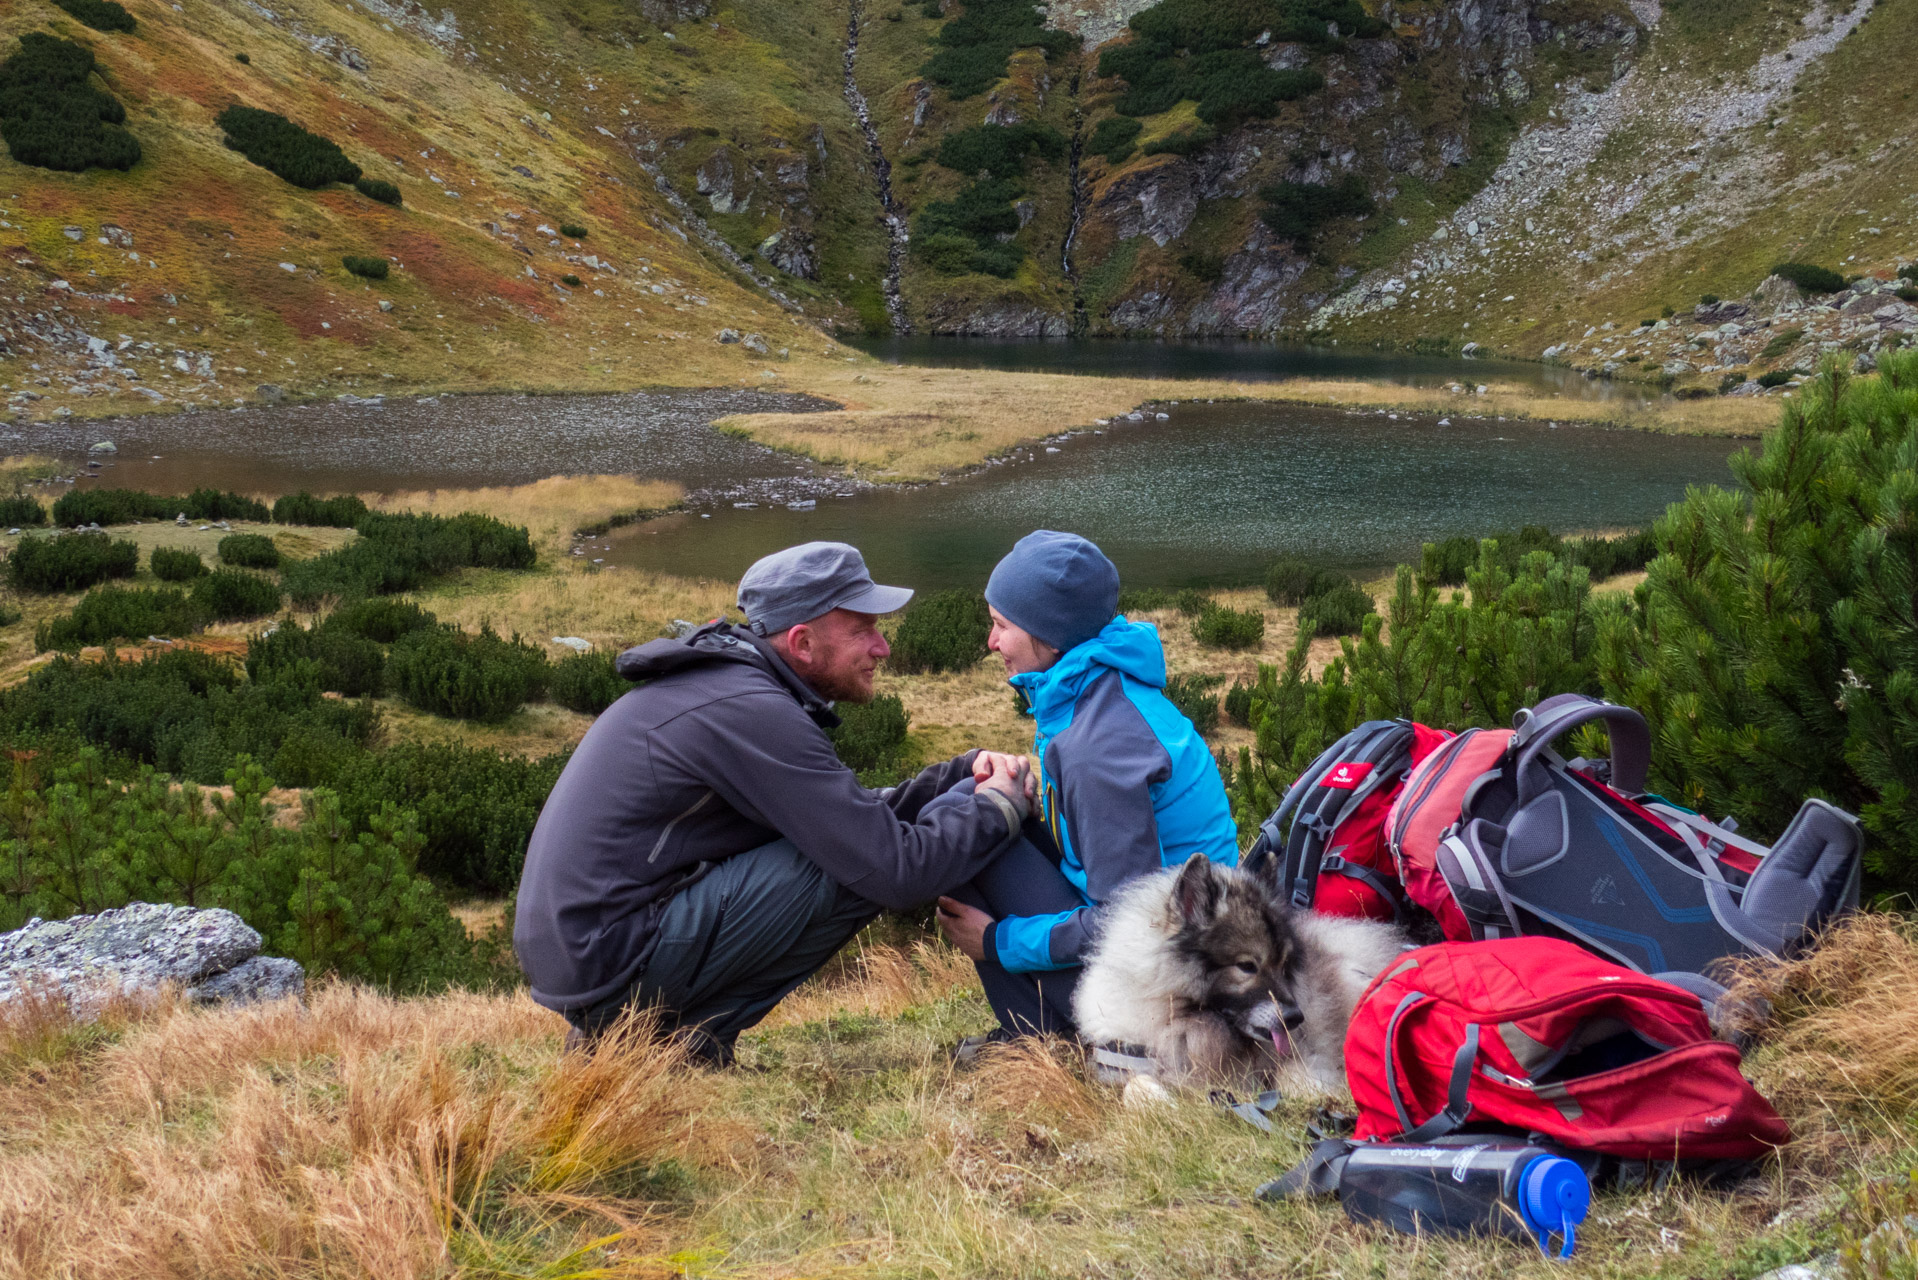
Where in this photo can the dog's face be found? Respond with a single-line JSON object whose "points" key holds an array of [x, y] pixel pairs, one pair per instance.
{"points": [[1244, 944]]}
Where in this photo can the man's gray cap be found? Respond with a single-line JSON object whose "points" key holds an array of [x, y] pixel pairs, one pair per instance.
{"points": [[800, 583]]}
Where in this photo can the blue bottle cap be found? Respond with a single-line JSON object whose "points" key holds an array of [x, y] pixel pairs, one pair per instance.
{"points": [[1553, 1198]]}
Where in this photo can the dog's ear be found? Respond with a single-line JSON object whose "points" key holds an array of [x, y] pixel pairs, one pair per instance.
{"points": [[1197, 891], [1264, 867]]}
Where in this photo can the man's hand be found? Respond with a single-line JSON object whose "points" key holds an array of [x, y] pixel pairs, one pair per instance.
{"points": [[964, 927], [1010, 776]]}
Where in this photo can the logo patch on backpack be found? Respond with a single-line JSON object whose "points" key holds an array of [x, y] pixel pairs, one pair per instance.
{"points": [[1345, 777]]}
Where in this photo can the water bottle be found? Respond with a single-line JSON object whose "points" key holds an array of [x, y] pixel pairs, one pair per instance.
{"points": [[1501, 1186]]}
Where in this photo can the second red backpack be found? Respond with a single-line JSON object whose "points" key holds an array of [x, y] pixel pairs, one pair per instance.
{"points": [[1541, 1035]]}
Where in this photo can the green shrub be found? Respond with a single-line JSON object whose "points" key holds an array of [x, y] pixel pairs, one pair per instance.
{"points": [[52, 118], [1135, 600], [1780, 343], [974, 47], [20, 511], [249, 551], [1204, 52], [228, 595], [1000, 151], [476, 807], [572, 230], [570, 280], [69, 562], [1197, 699], [187, 713], [1113, 137], [380, 620], [1182, 143], [1731, 382], [1238, 704], [175, 564], [1337, 612], [1446, 563], [243, 59], [281, 147], [339, 903], [451, 672], [377, 189], [979, 215], [124, 506], [1299, 211], [1810, 277], [101, 15], [343, 511], [402, 552], [942, 631], [10, 613], [1191, 602], [871, 740], [1203, 264], [366, 268], [1776, 378], [343, 661], [1220, 627], [1289, 580], [586, 683], [1707, 299], [105, 614]]}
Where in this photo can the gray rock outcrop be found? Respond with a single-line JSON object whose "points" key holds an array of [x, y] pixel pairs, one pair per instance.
{"points": [[136, 950]]}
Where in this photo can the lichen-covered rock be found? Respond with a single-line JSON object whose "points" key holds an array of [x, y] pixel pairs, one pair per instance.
{"points": [[252, 981], [131, 950]]}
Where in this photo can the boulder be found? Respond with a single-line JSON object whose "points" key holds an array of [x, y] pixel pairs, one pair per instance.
{"points": [[136, 950], [728, 336]]}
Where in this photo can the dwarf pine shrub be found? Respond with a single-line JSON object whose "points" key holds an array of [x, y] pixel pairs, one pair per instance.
{"points": [[467, 676], [1238, 704], [1340, 611], [281, 147], [52, 118], [340, 512], [974, 48], [1113, 138], [106, 614], [570, 280], [69, 562], [101, 15], [124, 506], [18, 510], [366, 268], [1776, 378], [1204, 52], [572, 230], [941, 631], [379, 619], [1000, 151], [228, 595], [377, 189], [341, 660], [1220, 627], [249, 551], [176, 564], [962, 234], [1299, 211], [402, 552], [871, 740], [1810, 277], [586, 683]]}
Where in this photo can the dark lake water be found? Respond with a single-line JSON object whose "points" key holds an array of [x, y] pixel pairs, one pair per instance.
{"points": [[1238, 360], [1213, 493], [1208, 495]]}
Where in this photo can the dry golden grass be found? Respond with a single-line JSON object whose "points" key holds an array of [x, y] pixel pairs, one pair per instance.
{"points": [[551, 509], [876, 980], [1041, 1082], [916, 423], [607, 605]]}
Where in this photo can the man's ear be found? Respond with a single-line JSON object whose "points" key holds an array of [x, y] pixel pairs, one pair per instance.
{"points": [[798, 644], [1197, 892]]}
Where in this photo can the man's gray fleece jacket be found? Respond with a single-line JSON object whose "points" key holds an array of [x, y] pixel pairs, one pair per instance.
{"points": [[723, 749]]}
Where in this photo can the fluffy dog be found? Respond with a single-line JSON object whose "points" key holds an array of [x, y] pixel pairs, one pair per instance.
{"points": [[1207, 971]]}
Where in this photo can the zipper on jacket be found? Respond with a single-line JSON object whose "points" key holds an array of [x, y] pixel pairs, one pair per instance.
{"points": [[686, 813]]}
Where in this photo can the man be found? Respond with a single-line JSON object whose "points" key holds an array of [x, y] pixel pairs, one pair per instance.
{"points": [[704, 850], [1127, 785]]}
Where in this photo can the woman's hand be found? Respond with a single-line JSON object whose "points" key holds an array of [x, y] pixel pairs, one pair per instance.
{"points": [[964, 927]]}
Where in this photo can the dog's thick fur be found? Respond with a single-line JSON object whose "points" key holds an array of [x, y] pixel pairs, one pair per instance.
{"points": [[1206, 969]]}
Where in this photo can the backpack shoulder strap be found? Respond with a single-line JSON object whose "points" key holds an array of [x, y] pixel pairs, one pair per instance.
{"points": [[1536, 728]]}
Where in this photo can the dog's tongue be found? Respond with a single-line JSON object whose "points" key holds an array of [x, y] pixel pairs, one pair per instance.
{"points": [[1281, 1043]]}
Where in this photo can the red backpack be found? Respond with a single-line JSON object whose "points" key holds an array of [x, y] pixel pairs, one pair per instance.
{"points": [[1543, 1036]]}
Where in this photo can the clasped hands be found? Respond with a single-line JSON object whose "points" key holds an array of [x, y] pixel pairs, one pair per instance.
{"points": [[1011, 776]]}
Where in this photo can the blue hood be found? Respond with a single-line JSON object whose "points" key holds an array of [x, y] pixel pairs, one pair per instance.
{"points": [[1132, 648]]}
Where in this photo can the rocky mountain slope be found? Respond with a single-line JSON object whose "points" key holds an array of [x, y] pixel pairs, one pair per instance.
{"points": [[1507, 174]]}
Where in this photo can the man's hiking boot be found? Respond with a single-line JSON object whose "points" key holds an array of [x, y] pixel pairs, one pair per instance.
{"points": [[967, 1052]]}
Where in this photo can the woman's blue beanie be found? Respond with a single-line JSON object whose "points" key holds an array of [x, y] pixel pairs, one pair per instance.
{"points": [[1058, 586]]}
